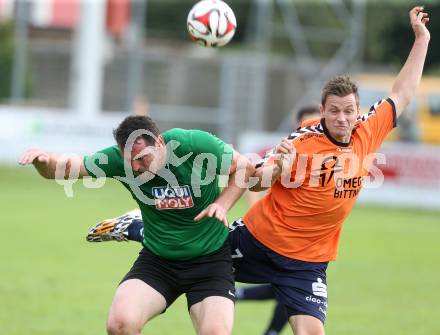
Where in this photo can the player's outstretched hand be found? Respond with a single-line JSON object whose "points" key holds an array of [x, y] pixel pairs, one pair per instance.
{"points": [[33, 156], [214, 211], [419, 19]]}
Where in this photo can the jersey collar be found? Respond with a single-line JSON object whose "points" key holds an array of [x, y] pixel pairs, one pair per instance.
{"points": [[331, 138]]}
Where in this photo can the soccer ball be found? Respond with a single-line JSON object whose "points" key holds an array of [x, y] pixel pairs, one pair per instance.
{"points": [[211, 23]]}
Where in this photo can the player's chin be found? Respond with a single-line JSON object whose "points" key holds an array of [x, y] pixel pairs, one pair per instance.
{"points": [[338, 131], [341, 132]]}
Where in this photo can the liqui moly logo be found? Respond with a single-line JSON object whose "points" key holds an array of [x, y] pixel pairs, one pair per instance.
{"points": [[173, 197]]}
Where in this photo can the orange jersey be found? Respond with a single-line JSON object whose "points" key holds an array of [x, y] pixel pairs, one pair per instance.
{"points": [[303, 219]]}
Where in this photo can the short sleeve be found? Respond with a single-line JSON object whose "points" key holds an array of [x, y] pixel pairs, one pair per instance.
{"points": [[105, 163], [379, 122], [310, 122], [203, 142]]}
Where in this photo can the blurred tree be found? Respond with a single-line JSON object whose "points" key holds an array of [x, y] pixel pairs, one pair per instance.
{"points": [[6, 63], [399, 37], [389, 37], [6, 55], [380, 17]]}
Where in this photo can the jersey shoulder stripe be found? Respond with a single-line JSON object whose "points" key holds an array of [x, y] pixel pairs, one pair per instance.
{"points": [[364, 117], [313, 129], [373, 111], [317, 129]]}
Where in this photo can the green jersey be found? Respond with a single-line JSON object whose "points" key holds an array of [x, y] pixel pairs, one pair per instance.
{"points": [[171, 199]]}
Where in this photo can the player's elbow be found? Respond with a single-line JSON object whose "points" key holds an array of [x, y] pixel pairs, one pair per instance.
{"points": [[47, 176], [256, 183], [46, 173], [242, 166], [258, 188]]}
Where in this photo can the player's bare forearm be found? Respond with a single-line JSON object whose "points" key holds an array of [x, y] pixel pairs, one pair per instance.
{"points": [[54, 166], [47, 169], [239, 173], [282, 157], [409, 77], [266, 175], [231, 193]]}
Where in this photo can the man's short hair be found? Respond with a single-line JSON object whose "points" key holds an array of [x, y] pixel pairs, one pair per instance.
{"points": [[340, 86], [303, 112], [133, 123]]}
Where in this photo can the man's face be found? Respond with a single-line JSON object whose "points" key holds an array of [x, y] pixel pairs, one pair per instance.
{"points": [[340, 114], [147, 157]]}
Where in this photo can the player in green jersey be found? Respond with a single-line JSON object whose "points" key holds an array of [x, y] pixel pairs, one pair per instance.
{"points": [[173, 177], [130, 227]]}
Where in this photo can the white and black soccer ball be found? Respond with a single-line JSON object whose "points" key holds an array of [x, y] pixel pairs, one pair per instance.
{"points": [[211, 23]]}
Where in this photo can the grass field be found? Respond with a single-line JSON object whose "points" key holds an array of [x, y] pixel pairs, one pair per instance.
{"points": [[386, 280]]}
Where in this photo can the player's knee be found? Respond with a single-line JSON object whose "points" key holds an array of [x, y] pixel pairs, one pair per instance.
{"points": [[310, 331], [120, 325], [306, 325]]}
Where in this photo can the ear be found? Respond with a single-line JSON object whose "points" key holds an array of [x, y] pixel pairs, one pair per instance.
{"points": [[321, 110], [160, 141]]}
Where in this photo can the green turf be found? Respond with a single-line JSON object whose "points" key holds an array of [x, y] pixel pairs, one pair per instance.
{"points": [[386, 280]]}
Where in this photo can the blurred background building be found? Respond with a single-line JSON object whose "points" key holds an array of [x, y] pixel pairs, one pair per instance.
{"points": [[72, 69]]}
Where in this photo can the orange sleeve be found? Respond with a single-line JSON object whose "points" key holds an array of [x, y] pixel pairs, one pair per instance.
{"points": [[268, 158], [379, 122], [311, 122]]}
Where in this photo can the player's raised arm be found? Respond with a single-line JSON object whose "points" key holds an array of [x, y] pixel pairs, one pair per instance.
{"points": [[271, 167], [232, 192], [47, 163], [408, 79]]}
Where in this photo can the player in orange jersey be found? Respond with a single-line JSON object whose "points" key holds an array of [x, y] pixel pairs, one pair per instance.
{"points": [[288, 237], [266, 291]]}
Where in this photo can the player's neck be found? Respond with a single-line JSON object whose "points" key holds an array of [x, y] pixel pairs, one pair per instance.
{"points": [[334, 138], [343, 139]]}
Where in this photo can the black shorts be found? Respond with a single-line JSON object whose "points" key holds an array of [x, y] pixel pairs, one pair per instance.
{"points": [[199, 278]]}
